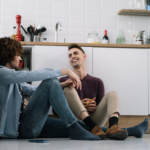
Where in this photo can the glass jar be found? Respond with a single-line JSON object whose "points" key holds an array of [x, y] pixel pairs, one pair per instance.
{"points": [[93, 37], [120, 38]]}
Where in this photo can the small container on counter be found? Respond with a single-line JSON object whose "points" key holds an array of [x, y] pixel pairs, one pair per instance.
{"points": [[93, 37], [120, 38]]}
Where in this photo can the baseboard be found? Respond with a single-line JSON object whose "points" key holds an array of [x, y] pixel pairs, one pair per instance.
{"points": [[128, 121]]}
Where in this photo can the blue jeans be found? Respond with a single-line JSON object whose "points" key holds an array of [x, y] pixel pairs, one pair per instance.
{"points": [[54, 128], [35, 116]]}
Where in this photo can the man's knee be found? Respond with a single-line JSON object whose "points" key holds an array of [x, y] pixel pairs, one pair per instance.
{"points": [[52, 81], [68, 90], [112, 96]]}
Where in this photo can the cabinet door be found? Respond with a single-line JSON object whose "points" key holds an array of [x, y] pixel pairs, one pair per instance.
{"points": [[49, 57], [55, 57], [126, 72], [149, 79]]}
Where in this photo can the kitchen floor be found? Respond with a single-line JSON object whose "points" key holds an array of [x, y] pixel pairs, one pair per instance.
{"points": [[130, 143]]}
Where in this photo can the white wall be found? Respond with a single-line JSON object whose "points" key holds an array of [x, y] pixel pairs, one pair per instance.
{"points": [[78, 17]]}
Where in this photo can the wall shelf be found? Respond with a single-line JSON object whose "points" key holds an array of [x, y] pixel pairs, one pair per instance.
{"points": [[135, 12]]}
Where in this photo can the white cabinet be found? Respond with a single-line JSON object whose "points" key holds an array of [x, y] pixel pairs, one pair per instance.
{"points": [[49, 57], [126, 72], [149, 79], [123, 70], [55, 57]]}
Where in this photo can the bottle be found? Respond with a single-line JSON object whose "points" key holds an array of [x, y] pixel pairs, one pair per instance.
{"points": [[120, 38], [13, 36], [105, 39]]}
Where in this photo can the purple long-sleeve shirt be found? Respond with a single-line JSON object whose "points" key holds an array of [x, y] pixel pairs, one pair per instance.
{"points": [[91, 87]]}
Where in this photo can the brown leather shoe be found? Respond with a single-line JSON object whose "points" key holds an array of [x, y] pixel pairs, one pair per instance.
{"points": [[99, 132], [116, 133]]}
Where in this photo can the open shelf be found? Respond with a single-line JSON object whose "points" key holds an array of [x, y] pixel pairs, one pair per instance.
{"points": [[135, 12]]}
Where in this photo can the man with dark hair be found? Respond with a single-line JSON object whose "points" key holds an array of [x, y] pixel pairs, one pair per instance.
{"points": [[33, 122], [76, 46], [90, 104]]}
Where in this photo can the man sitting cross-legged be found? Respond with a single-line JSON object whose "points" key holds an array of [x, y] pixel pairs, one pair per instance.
{"points": [[90, 104]]}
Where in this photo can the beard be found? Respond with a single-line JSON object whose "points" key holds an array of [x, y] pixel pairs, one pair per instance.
{"points": [[75, 64]]}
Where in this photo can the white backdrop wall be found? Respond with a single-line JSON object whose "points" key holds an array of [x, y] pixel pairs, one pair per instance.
{"points": [[78, 18]]}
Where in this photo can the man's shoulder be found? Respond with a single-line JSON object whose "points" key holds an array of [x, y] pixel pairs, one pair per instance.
{"points": [[4, 70], [93, 78], [95, 81]]}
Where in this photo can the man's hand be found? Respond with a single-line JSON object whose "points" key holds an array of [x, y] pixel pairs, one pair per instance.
{"points": [[25, 103], [75, 79], [67, 83], [90, 104]]}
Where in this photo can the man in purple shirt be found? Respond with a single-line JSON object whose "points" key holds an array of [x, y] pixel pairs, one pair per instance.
{"points": [[90, 104], [92, 87]]}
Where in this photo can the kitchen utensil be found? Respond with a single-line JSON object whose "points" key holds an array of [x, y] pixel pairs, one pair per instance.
{"points": [[58, 28], [30, 30], [24, 29], [40, 30]]}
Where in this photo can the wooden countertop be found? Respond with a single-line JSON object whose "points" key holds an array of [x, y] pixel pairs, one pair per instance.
{"points": [[86, 45]]}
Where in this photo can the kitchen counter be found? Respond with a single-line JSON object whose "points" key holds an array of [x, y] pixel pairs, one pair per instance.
{"points": [[86, 45]]}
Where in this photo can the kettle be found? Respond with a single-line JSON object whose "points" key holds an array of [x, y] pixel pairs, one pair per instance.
{"points": [[140, 37]]}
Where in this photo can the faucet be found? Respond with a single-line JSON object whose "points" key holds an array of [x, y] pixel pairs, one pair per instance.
{"points": [[58, 27]]}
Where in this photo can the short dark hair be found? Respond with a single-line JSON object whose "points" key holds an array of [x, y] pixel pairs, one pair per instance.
{"points": [[76, 46], [9, 48]]}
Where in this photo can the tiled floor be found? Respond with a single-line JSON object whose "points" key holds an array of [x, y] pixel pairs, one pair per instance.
{"points": [[66, 144]]}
